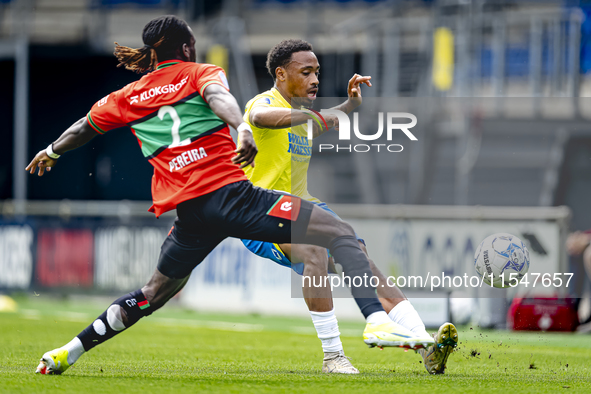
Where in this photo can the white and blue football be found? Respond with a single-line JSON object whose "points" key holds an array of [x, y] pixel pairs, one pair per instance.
{"points": [[505, 257]]}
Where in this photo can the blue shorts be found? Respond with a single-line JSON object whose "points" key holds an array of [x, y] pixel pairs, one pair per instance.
{"points": [[273, 252]]}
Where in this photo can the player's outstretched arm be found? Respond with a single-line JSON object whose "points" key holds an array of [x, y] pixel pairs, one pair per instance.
{"points": [[280, 118], [224, 105], [75, 136]]}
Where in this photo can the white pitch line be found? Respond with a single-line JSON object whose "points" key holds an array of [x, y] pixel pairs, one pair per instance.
{"points": [[34, 314], [31, 314], [73, 316], [221, 325]]}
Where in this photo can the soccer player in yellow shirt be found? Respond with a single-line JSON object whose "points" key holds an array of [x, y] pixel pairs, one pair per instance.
{"points": [[282, 164]]}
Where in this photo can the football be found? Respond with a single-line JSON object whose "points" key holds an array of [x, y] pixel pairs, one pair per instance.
{"points": [[501, 259]]}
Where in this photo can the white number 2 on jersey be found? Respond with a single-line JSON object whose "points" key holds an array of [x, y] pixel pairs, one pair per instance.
{"points": [[176, 124]]}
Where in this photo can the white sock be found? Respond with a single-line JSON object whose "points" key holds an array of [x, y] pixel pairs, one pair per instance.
{"points": [[406, 315], [75, 350], [378, 318], [327, 327]]}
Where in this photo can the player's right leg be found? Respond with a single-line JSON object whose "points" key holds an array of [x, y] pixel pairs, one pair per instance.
{"points": [[395, 302], [326, 230], [318, 297], [402, 312], [311, 261], [182, 251], [122, 314]]}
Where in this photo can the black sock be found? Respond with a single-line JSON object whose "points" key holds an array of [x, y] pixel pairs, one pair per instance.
{"points": [[108, 324], [348, 254]]}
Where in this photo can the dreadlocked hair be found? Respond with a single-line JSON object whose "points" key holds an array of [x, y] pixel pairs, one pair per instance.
{"points": [[163, 38], [139, 60]]}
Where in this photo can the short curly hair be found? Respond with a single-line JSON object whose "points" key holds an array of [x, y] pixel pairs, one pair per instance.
{"points": [[280, 54]]}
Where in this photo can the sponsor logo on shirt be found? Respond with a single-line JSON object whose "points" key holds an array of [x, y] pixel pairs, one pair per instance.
{"points": [[186, 158], [298, 145], [286, 207], [158, 90], [276, 254]]}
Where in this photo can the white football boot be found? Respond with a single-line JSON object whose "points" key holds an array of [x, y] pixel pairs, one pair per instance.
{"points": [[337, 362], [54, 362], [392, 334]]}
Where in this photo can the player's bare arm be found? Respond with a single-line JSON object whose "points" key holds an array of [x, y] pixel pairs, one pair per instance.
{"points": [[277, 118], [75, 136], [224, 105], [280, 118]]}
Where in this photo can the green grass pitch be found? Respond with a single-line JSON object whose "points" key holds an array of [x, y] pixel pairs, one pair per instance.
{"points": [[178, 351]]}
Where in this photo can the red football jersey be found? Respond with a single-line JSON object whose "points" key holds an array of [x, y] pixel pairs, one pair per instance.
{"points": [[189, 146]]}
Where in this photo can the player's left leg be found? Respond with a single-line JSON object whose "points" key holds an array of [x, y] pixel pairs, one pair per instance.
{"points": [[399, 309], [395, 302], [402, 312], [273, 217]]}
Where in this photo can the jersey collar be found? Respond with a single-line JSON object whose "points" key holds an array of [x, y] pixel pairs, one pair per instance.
{"points": [[278, 94], [167, 63]]}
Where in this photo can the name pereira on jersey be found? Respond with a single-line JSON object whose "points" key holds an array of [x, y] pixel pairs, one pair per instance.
{"points": [[186, 158], [158, 90]]}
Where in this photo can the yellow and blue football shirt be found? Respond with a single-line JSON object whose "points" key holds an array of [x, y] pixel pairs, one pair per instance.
{"points": [[281, 164], [284, 154]]}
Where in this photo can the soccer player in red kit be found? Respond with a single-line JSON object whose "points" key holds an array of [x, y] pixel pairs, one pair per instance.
{"points": [[180, 113]]}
